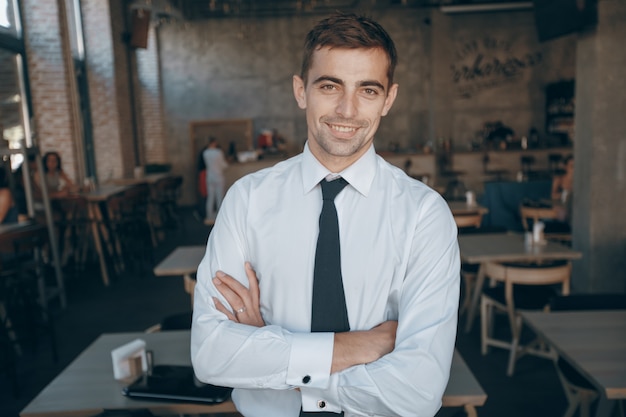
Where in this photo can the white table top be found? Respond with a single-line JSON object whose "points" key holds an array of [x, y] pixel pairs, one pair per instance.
{"points": [[182, 261], [505, 247], [594, 342], [87, 385]]}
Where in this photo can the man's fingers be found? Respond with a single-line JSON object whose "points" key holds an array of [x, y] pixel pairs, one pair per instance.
{"points": [[220, 307], [235, 300], [231, 282], [254, 284]]}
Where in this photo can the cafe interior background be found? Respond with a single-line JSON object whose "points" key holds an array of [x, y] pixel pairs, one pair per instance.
{"points": [[118, 85], [122, 88]]}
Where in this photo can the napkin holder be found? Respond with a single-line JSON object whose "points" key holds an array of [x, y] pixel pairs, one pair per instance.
{"points": [[129, 360]]}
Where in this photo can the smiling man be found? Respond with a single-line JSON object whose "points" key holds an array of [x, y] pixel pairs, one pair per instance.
{"points": [[265, 317]]}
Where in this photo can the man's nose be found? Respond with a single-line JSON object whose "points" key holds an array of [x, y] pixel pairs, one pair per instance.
{"points": [[347, 106]]}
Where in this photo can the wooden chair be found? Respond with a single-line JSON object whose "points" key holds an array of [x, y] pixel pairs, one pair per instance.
{"points": [[163, 204], [77, 226], [523, 286], [24, 295], [469, 271], [581, 393], [531, 215], [535, 214]]}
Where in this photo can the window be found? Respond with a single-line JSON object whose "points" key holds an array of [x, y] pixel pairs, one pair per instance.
{"points": [[9, 18]]}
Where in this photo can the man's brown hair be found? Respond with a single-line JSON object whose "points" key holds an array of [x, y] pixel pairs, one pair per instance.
{"points": [[349, 31]]}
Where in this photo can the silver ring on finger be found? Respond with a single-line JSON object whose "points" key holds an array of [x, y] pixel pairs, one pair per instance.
{"points": [[241, 310]]}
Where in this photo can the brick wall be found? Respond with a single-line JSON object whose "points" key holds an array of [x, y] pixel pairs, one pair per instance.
{"points": [[151, 105], [114, 72], [102, 88], [49, 82]]}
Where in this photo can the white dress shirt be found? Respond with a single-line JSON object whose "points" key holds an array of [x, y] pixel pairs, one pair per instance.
{"points": [[400, 261]]}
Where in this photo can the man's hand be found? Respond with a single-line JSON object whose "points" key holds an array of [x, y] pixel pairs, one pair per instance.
{"points": [[361, 347], [243, 301]]}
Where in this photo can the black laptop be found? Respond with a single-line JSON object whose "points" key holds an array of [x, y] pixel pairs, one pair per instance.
{"points": [[175, 383]]}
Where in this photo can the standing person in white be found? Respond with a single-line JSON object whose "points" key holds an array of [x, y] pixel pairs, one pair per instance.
{"points": [[215, 166]]}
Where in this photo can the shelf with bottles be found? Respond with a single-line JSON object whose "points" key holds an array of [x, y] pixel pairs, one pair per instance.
{"points": [[560, 108]]}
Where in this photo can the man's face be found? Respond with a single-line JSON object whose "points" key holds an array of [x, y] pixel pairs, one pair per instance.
{"points": [[345, 97]]}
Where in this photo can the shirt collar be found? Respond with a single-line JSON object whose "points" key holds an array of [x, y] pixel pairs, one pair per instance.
{"points": [[359, 175]]}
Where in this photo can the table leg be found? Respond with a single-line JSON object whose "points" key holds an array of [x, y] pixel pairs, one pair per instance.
{"points": [[94, 215], [190, 286], [478, 289], [470, 410]]}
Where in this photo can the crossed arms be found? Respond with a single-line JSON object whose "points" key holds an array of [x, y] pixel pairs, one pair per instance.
{"points": [[350, 348]]}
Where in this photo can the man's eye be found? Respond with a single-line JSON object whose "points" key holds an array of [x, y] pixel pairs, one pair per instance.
{"points": [[371, 91], [328, 87]]}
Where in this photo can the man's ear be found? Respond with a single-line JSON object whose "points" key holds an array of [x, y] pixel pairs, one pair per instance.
{"points": [[299, 91], [391, 97]]}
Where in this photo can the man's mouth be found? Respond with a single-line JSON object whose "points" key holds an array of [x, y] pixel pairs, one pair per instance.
{"points": [[342, 129]]}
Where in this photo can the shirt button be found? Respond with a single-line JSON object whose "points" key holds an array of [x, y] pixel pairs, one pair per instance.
{"points": [[321, 404], [306, 379]]}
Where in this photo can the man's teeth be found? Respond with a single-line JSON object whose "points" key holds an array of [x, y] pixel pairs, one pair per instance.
{"points": [[343, 129]]}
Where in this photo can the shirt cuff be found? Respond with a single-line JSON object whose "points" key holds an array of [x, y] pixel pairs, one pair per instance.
{"points": [[314, 399], [310, 360]]}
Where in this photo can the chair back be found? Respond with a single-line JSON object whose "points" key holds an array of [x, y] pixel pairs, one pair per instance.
{"points": [[531, 273], [535, 214], [166, 190]]}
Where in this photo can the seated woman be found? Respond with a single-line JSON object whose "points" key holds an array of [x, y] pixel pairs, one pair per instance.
{"points": [[562, 186], [56, 181], [8, 210]]}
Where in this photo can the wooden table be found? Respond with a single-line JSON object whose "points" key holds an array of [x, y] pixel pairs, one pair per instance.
{"points": [[593, 342], [504, 247], [460, 208], [86, 386], [96, 199], [183, 260], [146, 179]]}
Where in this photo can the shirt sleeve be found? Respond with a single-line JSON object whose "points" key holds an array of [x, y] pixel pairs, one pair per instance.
{"points": [[236, 355], [411, 380]]}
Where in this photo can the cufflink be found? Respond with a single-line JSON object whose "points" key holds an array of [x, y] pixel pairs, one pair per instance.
{"points": [[306, 379], [321, 404]]}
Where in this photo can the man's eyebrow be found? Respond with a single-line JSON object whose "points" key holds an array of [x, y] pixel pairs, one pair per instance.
{"points": [[328, 78], [372, 83], [365, 83]]}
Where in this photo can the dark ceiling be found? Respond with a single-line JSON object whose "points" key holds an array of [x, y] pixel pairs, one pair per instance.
{"points": [[207, 9]]}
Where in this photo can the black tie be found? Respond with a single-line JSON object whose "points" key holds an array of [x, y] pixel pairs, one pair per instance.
{"points": [[328, 312]]}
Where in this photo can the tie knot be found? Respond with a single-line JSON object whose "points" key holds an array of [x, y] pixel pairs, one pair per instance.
{"points": [[330, 189]]}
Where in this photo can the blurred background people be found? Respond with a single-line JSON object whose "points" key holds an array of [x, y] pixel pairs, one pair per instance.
{"points": [[562, 186], [8, 209], [215, 164], [54, 178], [563, 182]]}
